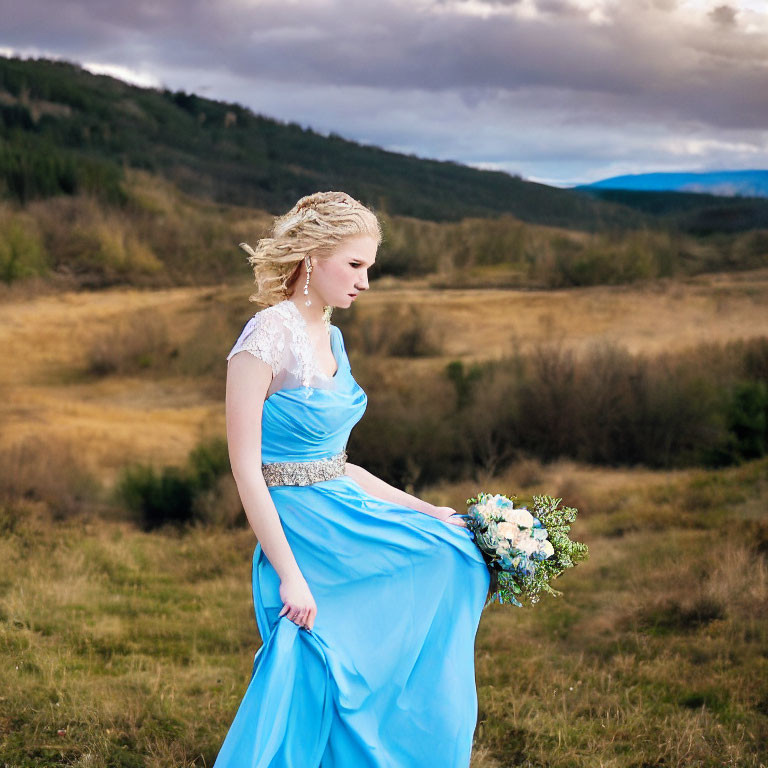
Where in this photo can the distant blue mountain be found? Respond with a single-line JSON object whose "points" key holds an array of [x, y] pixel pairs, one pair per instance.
{"points": [[725, 183]]}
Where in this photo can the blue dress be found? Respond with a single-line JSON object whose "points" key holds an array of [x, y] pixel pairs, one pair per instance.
{"points": [[386, 676]]}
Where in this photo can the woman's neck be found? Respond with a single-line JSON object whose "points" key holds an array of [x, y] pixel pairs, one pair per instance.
{"points": [[313, 315]]}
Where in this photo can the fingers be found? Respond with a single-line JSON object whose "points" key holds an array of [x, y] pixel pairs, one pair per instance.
{"points": [[304, 620], [304, 617], [452, 517]]}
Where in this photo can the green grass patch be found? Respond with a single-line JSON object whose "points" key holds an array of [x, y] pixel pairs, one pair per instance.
{"points": [[125, 647]]}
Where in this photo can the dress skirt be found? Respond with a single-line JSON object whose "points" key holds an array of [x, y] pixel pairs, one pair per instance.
{"points": [[386, 676]]}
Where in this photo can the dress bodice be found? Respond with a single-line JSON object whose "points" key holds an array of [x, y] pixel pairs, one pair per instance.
{"points": [[307, 414]]}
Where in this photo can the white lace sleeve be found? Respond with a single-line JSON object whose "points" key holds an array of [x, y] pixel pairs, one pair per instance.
{"points": [[278, 336], [264, 337]]}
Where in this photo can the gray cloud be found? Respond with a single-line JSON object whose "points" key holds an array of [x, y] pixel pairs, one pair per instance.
{"points": [[723, 15], [622, 70], [558, 8]]}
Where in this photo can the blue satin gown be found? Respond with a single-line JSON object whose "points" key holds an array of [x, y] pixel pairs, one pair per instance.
{"points": [[386, 676]]}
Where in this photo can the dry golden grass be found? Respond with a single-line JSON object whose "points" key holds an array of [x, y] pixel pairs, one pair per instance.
{"points": [[47, 392], [658, 316], [52, 341]]}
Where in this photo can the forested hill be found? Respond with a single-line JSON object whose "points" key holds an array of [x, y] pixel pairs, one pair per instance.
{"points": [[64, 129]]}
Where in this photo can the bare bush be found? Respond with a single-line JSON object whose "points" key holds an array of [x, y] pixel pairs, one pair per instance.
{"points": [[136, 343], [396, 330], [604, 407], [48, 470]]}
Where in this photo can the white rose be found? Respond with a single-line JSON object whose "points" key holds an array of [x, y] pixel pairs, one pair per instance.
{"points": [[508, 530], [547, 548], [519, 516], [528, 545], [485, 509]]}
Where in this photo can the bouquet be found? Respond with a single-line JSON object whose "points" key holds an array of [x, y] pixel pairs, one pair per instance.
{"points": [[524, 550]]}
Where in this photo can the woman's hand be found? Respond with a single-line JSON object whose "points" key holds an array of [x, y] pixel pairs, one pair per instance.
{"points": [[298, 603], [444, 514]]}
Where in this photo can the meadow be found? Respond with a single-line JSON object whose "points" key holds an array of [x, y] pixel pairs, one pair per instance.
{"points": [[134, 374], [126, 644]]}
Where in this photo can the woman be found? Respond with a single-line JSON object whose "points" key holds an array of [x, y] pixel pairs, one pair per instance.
{"points": [[367, 598]]}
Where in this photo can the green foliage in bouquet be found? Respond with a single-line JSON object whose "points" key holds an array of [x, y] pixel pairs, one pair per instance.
{"points": [[524, 550], [567, 552]]}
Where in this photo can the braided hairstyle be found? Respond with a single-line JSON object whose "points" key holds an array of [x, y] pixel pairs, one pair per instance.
{"points": [[313, 227]]}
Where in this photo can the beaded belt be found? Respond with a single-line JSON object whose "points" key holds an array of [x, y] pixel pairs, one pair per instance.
{"points": [[304, 472]]}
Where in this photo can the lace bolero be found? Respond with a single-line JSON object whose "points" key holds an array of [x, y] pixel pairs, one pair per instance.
{"points": [[278, 336]]}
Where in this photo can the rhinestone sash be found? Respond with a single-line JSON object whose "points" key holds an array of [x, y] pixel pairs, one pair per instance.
{"points": [[304, 472]]}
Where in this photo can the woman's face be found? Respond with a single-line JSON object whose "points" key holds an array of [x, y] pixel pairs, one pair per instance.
{"points": [[338, 278]]}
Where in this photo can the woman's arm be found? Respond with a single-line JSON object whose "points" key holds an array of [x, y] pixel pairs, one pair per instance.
{"points": [[248, 380], [377, 487]]}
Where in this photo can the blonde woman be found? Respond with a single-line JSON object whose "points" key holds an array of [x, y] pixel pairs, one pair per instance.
{"points": [[367, 598]]}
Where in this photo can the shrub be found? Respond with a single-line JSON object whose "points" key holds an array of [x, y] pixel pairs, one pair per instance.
{"points": [[182, 495], [407, 436], [156, 498], [207, 462], [47, 470], [22, 253], [136, 343], [747, 419], [604, 406], [397, 330]]}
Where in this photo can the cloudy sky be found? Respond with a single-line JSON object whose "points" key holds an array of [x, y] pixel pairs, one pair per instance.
{"points": [[558, 91]]}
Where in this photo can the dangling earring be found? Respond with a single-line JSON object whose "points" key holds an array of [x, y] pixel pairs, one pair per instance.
{"points": [[308, 302]]}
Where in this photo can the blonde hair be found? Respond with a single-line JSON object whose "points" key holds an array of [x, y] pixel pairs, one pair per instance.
{"points": [[313, 227]]}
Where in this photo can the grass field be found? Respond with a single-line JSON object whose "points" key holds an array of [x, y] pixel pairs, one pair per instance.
{"points": [[125, 648]]}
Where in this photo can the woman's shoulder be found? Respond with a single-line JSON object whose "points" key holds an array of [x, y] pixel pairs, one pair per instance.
{"points": [[275, 312], [272, 319], [264, 335]]}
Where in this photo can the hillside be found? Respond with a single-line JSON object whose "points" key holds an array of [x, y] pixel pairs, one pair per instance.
{"points": [[105, 183], [753, 183], [64, 129], [162, 236], [697, 213], [607, 347], [125, 648]]}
